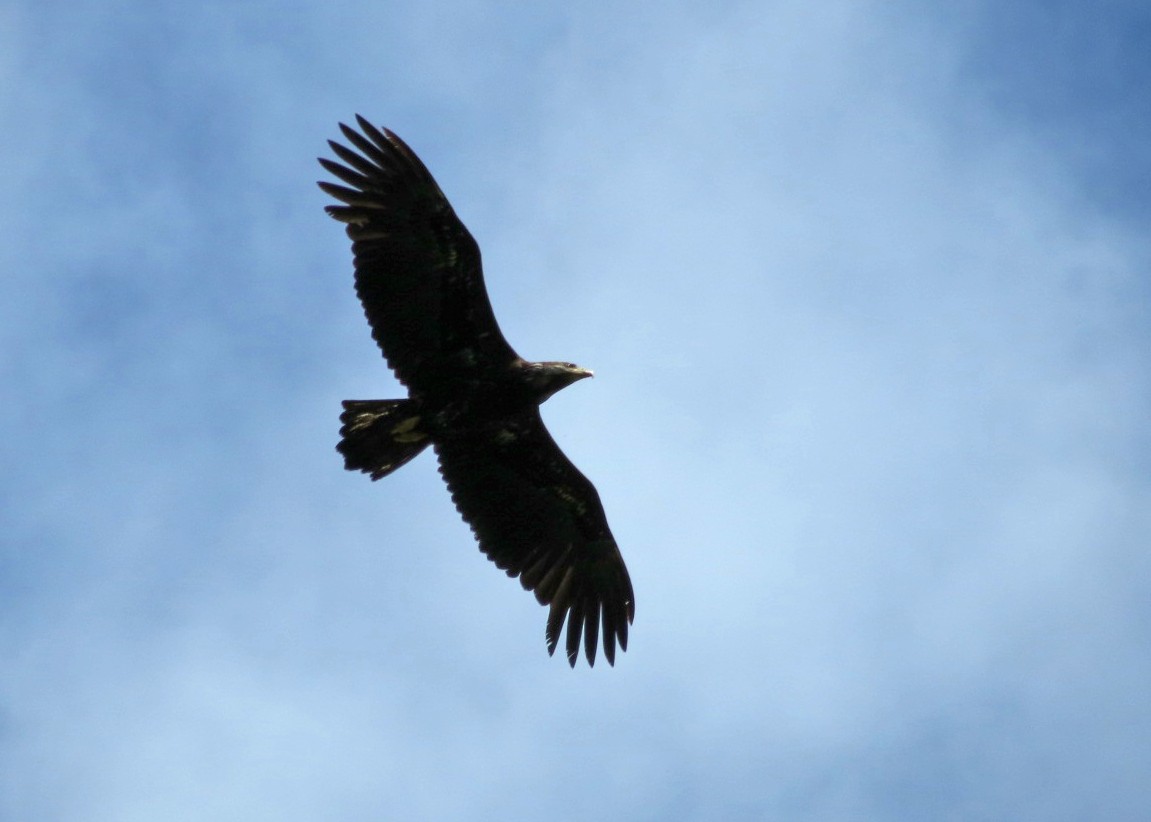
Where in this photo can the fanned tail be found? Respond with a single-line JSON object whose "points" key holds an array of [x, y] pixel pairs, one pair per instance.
{"points": [[378, 436]]}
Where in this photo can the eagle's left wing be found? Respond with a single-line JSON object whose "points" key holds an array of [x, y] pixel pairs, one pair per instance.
{"points": [[538, 518]]}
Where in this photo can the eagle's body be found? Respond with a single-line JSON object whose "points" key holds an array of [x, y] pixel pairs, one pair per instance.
{"points": [[470, 396]]}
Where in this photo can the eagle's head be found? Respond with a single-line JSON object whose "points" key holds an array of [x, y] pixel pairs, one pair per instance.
{"points": [[546, 378]]}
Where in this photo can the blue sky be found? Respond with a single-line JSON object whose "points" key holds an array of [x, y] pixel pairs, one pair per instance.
{"points": [[865, 287]]}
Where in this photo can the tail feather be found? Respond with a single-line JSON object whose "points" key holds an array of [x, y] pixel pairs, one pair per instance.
{"points": [[378, 436]]}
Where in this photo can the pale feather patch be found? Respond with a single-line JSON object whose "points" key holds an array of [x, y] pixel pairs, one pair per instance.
{"points": [[570, 498], [404, 431]]}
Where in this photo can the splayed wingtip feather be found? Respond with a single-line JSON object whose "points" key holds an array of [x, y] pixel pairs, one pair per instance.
{"points": [[373, 134], [367, 148], [350, 196], [575, 630], [356, 161], [591, 633], [352, 178], [555, 623]]}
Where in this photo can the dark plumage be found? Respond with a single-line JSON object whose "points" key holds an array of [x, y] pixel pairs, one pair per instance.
{"points": [[470, 396]]}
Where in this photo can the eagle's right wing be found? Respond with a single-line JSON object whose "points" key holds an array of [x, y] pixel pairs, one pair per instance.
{"points": [[418, 271]]}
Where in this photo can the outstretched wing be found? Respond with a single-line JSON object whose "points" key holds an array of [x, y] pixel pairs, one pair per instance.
{"points": [[537, 517], [418, 271]]}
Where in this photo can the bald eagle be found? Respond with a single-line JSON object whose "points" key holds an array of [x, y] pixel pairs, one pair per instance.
{"points": [[470, 396]]}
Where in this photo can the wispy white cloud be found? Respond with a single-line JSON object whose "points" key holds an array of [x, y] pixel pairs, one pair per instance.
{"points": [[869, 422]]}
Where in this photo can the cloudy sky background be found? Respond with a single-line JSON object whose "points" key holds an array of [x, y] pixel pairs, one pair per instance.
{"points": [[865, 286]]}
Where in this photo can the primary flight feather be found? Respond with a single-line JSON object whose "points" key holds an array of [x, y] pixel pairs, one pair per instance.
{"points": [[470, 396]]}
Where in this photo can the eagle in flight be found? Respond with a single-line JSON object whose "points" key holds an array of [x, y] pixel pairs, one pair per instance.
{"points": [[470, 396]]}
